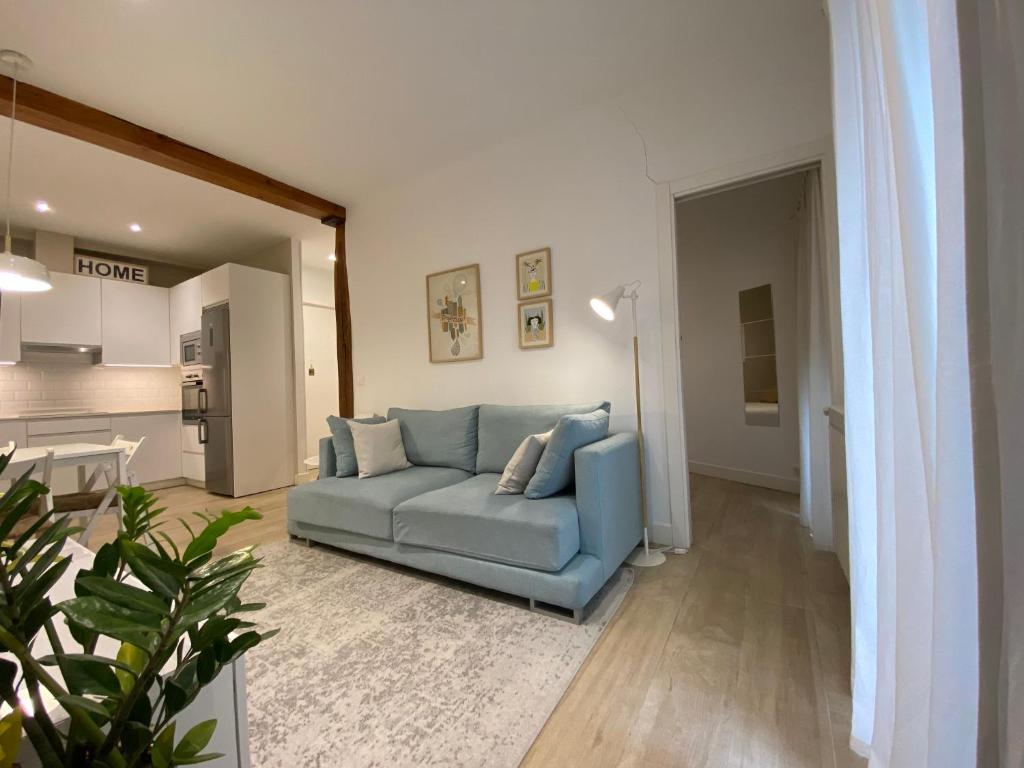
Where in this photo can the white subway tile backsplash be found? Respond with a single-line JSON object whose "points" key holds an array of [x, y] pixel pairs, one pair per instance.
{"points": [[42, 384]]}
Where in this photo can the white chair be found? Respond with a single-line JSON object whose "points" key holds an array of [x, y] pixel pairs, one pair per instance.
{"points": [[90, 503]]}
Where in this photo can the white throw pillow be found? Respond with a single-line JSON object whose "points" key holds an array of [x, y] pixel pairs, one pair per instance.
{"points": [[378, 448], [522, 465]]}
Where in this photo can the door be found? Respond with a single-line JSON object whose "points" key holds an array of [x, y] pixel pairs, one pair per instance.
{"points": [[215, 398], [215, 434], [320, 356]]}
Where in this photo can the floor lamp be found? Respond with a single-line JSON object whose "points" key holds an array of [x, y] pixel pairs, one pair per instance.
{"points": [[604, 306]]}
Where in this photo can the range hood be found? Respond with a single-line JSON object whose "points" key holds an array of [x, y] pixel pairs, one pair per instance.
{"points": [[71, 353]]}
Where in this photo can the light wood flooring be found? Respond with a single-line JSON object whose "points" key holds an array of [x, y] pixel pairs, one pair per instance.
{"points": [[735, 654]]}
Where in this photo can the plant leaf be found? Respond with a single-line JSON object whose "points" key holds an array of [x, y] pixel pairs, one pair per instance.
{"points": [[217, 527], [163, 747], [10, 738], [85, 674], [124, 595], [103, 617], [164, 577], [91, 706], [134, 658], [193, 742]]}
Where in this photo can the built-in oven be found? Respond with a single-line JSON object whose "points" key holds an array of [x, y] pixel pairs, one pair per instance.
{"points": [[193, 395], [191, 348]]}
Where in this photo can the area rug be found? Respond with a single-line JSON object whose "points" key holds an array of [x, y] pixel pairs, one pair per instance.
{"points": [[379, 666]]}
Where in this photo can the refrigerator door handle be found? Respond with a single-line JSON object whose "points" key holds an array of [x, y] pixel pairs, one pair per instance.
{"points": [[204, 432], [203, 400]]}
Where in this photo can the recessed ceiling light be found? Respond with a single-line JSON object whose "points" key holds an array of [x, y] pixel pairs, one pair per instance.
{"points": [[43, 207], [135, 227], [332, 257]]}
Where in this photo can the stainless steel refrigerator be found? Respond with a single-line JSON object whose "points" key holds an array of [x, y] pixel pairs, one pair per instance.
{"points": [[215, 401]]}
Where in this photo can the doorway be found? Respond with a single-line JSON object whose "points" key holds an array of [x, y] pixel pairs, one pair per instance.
{"points": [[737, 293]]}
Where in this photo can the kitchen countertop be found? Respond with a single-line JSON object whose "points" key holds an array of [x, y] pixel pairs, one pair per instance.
{"points": [[82, 415]]}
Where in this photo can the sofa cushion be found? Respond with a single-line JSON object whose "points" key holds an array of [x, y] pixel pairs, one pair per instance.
{"points": [[504, 427], [439, 438], [469, 519], [341, 437], [379, 449], [364, 505], [555, 469]]}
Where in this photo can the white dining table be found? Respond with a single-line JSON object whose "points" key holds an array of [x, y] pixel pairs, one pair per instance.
{"points": [[70, 455]]}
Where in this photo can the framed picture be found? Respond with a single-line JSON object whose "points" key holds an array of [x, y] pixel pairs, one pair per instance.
{"points": [[533, 274], [536, 325], [453, 315]]}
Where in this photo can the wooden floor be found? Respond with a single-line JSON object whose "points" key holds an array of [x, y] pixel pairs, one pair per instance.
{"points": [[735, 654]]}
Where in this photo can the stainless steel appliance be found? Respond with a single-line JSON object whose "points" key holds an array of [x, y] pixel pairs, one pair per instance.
{"points": [[191, 386], [191, 348], [213, 400]]}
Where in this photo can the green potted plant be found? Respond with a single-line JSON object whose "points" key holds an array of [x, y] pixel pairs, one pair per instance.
{"points": [[174, 612]]}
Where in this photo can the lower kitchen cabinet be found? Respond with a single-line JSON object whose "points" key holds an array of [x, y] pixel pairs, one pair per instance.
{"points": [[159, 456]]}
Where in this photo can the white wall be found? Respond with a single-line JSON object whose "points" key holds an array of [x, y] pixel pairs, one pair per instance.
{"points": [[578, 185], [728, 242]]}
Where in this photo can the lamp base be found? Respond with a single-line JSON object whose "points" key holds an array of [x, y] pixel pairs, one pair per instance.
{"points": [[645, 559]]}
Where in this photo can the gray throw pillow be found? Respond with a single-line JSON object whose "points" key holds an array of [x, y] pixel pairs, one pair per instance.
{"points": [[341, 436], [555, 470]]}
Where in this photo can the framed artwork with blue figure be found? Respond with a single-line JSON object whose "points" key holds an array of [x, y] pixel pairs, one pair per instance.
{"points": [[454, 320]]}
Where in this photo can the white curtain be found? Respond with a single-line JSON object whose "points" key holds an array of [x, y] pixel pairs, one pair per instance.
{"points": [[813, 362], [913, 555]]}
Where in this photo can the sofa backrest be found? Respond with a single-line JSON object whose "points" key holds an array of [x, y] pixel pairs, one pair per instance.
{"points": [[503, 427], [439, 438]]}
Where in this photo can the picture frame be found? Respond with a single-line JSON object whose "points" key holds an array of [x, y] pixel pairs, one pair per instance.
{"points": [[536, 324], [454, 317], [533, 274]]}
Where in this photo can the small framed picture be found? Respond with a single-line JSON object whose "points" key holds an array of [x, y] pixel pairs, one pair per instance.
{"points": [[533, 274], [536, 325]]}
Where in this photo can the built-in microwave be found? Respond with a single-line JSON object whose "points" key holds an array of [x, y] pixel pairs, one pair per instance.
{"points": [[191, 348]]}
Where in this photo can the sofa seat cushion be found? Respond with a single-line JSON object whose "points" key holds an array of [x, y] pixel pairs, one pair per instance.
{"points": [[365, 505], [469, 519]]}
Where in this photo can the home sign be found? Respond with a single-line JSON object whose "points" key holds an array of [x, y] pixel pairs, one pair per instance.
{"points": [[110, 270]]}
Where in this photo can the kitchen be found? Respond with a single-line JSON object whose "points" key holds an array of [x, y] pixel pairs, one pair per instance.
{"points": [[100, 355]]}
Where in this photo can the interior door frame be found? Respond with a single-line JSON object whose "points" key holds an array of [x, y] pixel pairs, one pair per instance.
{"points": [[818, 153]]}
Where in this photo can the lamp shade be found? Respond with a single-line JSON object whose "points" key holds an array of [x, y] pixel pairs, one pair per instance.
{"points": [[22, 275], [605, 304]]}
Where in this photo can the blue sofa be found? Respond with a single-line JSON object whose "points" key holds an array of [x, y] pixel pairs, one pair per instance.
{"points": [[442, 515]]}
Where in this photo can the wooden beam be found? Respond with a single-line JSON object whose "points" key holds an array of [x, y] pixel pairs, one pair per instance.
{"points": [[343, 321], [72, 118]]}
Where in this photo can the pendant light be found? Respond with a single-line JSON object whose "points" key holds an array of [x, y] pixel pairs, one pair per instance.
{"points": [[18, 274]]}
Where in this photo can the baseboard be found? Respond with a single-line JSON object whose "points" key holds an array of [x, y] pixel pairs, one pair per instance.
{"points": [[158, 485], [762, 479], [195, 483], [661, 534]]}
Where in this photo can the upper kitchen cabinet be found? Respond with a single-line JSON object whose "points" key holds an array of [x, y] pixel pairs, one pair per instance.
{"points": [[136, 321], [186, 312], [216, 285], [67, 314], [10, 328]]}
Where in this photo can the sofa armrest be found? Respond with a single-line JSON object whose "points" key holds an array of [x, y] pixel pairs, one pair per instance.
{"points": [[328, 460], [608, 498]]}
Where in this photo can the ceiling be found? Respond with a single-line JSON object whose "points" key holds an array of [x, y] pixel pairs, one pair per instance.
{"points": [[337, 97], [95, 194]]}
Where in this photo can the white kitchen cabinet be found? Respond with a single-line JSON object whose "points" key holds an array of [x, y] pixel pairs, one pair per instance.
{"points": [[136, 324], [159, 456], [193, 454], [216, 285], [69, 313], [10, 327], [186, 312], [12, 431]]}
